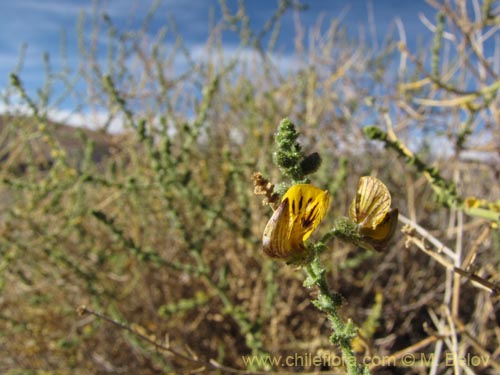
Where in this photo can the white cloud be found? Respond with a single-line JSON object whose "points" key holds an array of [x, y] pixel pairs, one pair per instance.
{"points": [[92, 121], [286, 62]]}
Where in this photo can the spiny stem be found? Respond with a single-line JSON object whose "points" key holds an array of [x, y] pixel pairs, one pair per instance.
{"points": [[445, 191], [330, 302]]}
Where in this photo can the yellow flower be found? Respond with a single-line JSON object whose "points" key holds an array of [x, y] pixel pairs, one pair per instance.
{"points": [[301, 210], [371, 210]]}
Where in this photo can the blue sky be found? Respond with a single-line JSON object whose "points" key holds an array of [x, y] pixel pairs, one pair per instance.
{"points": [[40, 24]]}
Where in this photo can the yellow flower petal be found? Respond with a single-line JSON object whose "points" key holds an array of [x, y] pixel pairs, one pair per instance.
{"points": [[275, 240], [301, 210], [382, 234], [372, 202], [308, 206], [371, 211]]}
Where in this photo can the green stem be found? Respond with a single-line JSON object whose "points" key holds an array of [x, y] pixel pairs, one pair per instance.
{"points": [[330, 302]]}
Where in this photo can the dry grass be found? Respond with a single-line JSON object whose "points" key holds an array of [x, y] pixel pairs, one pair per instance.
{"points": [[159, 227]]}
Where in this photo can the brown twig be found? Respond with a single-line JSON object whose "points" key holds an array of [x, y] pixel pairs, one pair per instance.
{"points": [[476, 280], [203, 366]]}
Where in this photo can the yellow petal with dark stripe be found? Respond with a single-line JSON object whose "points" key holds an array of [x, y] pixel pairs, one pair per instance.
{"points": [[301, 210], [382, 234], [308, 206], [372, 203], [275, 240]]}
